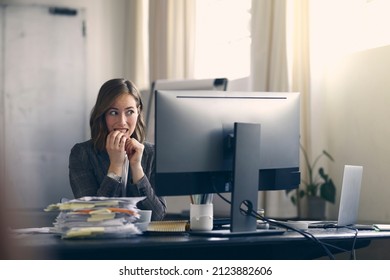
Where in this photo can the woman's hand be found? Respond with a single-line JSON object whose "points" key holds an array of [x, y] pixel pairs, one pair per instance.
{"points": [[115, 146], [134, 151]]}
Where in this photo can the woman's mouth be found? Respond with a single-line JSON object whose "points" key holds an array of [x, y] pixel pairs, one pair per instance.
{"points": [[123, 130]]}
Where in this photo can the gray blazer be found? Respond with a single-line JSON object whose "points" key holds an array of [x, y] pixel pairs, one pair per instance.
{"points": [[88, 177]]}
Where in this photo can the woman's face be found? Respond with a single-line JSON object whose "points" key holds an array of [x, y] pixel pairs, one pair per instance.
{"points": [[122, 115]]}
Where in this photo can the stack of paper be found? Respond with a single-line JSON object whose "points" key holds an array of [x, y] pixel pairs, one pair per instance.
{"points": [[97, 217]]}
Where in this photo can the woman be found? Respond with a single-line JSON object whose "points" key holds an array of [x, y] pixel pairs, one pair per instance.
{"points": [[116, 161]]}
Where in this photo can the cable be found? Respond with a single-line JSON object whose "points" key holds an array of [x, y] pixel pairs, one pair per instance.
{"points": [[305, 234]]}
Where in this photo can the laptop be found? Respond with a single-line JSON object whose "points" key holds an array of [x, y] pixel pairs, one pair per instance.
{"points": [[349, 200]]}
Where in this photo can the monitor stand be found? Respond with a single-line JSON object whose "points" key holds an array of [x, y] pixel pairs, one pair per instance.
{"points": [[246, 165]]}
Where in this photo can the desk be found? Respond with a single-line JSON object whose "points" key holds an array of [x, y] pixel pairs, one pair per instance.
{"points": [[289, 245]]}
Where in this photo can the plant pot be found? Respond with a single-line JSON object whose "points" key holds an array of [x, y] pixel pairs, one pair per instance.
{"points": [[315, 208]]}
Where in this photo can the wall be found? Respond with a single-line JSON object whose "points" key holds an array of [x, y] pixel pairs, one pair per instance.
{"points": [[44, 101], [350, 55], [357, 91], [104, 21], [104, 25]]}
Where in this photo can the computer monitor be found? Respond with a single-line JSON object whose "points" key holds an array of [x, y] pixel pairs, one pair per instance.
{"points": [[217, 141]]}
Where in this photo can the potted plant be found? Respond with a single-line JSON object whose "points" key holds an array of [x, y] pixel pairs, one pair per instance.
{"points": [[318, 187]]}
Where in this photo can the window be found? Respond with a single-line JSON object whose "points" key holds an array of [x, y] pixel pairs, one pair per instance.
{"points": [[222, 39]]}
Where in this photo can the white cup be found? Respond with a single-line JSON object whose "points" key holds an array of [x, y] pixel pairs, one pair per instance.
{"points": [[201, 216], [145, 216]]}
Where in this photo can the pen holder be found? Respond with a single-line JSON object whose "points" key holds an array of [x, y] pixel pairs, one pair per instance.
{"points": [[201, 216]]}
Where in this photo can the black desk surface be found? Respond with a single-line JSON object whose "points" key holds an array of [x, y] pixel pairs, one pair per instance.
{"points": [[289, 245]]}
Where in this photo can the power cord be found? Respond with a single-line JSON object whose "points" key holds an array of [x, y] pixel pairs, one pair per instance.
{"points": [[325, 246]]}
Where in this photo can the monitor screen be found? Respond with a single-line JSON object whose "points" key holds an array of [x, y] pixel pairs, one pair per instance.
{"points": [[194, 138]]}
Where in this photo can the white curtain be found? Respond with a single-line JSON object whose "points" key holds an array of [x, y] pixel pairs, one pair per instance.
{"points": [[171, 32], [280, 60], [159, 40], [300, 72], [300, 63], [136, 55], [269, 70]]}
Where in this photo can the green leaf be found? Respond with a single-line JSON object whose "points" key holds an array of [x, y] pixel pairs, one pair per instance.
{"points": [[293, 200], [322, 173], [328, 191], [323, 188]]}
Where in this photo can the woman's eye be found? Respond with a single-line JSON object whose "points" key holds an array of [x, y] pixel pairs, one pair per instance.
{"points": [[112, 113], [129, 112]]}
